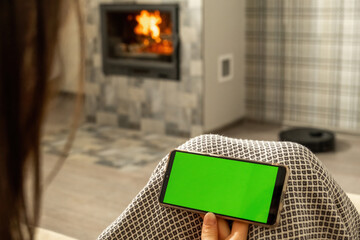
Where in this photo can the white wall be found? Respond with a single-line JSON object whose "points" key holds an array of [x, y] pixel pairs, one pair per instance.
{"points": [[224, 33], [69, 51]]}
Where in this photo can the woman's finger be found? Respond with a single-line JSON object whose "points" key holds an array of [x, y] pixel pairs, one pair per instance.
{"points": [[223, 228], [210, 228], [239, 231]]}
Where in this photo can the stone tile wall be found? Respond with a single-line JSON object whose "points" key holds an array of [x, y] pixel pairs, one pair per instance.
{"points": [[150, 105]]}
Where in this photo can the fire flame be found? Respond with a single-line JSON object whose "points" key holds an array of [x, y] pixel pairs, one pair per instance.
{"points": [[148, 32], [148, 24]]}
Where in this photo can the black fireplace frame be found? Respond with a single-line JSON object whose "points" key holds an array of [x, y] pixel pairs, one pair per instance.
{"points": [[138, 67]]}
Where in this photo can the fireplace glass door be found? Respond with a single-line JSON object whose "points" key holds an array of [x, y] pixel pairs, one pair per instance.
{"points": [[140, 40]]}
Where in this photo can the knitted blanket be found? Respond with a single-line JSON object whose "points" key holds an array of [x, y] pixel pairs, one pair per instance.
{"points": [[315, 206]]}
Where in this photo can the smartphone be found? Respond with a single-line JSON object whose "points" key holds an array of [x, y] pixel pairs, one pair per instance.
{"points": [[235, 189]]}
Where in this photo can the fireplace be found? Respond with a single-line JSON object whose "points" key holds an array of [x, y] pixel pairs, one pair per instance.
{"points": [[211, 64], [140, 40]]}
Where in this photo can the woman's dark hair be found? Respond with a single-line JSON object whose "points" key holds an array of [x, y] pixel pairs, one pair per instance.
{"points": [[29, 33]]}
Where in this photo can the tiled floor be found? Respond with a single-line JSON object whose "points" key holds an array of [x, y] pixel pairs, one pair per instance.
{"points": [[112, 147], [107, 166]]}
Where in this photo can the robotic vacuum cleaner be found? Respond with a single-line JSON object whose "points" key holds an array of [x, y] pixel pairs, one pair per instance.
{"points": [[317, 140]]}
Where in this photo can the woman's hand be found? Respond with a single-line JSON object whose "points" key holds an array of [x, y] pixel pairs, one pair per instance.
{"points": [[218, 229]]}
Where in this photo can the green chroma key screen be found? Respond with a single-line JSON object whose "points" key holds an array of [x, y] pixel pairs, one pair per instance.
{"points": [[223, 186]]}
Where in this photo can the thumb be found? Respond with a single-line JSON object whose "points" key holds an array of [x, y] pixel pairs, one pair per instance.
{"points": [[209, 229]]}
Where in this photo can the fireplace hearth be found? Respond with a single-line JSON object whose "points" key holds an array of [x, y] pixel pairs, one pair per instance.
{"points": [[140, 40]]}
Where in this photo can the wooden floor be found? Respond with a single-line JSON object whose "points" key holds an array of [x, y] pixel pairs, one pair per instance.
{"points": [[85, 197], [343, 163]]}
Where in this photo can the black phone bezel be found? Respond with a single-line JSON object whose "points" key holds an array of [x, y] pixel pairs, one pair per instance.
{"points": [[279, 187]]}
